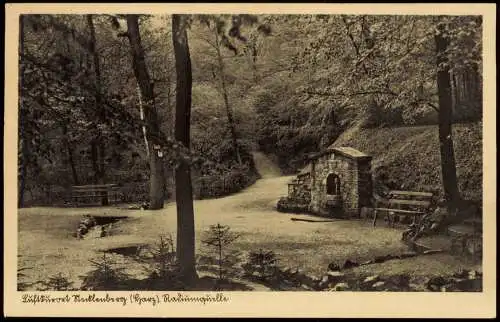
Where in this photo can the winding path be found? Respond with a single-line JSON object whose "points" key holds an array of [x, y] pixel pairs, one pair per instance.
{"points": [[265, 166], [45, 239]]}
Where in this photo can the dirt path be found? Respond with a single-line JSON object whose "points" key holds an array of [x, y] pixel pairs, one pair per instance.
{"points": [[46, 242], [265, 166]]}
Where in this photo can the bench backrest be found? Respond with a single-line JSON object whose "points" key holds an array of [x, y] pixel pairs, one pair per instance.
{"points": [[416, 203], [407, 200], [95, 188], [410, 194]]}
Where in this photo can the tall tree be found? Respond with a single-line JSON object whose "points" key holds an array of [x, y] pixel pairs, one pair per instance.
{"points": [[183, 185], [23, 153], [69, 150], [222, 76], [157, 178], [445, 114], [224, 28], [97, 143]]}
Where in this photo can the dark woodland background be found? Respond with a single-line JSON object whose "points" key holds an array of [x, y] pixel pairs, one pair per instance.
{"points": [[285, 85]]}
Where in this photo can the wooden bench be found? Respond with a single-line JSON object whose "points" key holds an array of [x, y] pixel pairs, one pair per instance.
{"points": [[102, 192], [403, 203]]}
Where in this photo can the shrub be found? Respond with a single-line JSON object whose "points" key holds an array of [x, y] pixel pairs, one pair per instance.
{"points": [[286, 204], [165, 270], [22, 285], [218, 237], [262, 264], [134, 191], [230, 180], [104, 277], [57, 282]]}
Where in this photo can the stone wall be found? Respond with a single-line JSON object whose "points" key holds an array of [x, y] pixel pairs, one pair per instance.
{"points": [[300, 189], [301, 192], [355, 180], [365, 184]]}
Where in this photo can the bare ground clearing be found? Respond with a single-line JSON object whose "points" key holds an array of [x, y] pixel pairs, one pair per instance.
{"points": [[46, 244]]}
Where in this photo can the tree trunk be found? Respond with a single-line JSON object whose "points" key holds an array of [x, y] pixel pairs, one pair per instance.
{"points": [[253, 58], [156, 178], [230, 118], [467, 85], [94, 159], [476, 90], [141, 111], [464, 86], [183, 185], [100, 147], [219, 246], [72, 164], [476, 82], [448, 167], [23, 149], [69, 150], [22, 157]]}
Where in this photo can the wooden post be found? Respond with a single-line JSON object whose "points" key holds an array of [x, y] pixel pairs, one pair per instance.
{"points": [[105, 199]]}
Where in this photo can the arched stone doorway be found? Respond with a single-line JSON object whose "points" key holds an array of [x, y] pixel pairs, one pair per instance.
{"points": [[333, 184]]}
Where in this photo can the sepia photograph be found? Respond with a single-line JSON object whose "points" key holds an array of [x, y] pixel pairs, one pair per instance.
{"points": [[256, 152]]}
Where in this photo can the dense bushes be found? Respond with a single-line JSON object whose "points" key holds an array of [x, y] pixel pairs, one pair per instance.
{"points": [[285, 126], [286, 204], [230, 181], [55, 195]]}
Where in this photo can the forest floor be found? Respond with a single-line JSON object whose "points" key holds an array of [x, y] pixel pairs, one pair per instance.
{"points": [[46, 245]]}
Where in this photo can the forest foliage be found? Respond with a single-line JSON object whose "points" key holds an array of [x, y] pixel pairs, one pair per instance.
{"points": [[288, 86]]}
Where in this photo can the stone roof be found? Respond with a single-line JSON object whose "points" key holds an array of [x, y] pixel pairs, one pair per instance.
{"points": [[350, 152], [305, 170], [345, 151]]}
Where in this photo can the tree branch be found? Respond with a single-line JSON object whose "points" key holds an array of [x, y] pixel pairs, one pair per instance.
{"points": [[354, 44], [160, 138], [61, 27]]}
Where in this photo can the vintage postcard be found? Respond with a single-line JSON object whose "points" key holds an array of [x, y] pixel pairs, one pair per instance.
{"points": [[250, 160]]}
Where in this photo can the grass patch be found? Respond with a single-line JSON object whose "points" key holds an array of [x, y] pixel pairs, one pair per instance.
{"points": [[46, 243]]}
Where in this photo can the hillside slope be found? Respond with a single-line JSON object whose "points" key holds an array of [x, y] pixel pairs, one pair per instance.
{"points": [[408, 157]]}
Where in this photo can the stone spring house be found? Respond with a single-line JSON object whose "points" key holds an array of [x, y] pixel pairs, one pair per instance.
{"points": [[336, 182]]}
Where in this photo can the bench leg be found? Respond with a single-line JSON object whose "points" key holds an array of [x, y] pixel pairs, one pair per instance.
{"points": [[105, 199]]}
